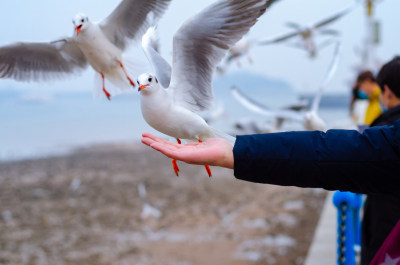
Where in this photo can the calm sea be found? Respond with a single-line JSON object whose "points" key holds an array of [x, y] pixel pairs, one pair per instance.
{"points": [[35, 125]]}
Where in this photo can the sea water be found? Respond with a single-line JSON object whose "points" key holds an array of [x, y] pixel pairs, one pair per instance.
{"points": [[36, 124]]}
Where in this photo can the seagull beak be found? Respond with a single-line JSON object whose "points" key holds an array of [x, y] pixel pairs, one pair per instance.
{"points": [[78, 29], [141, 87]]}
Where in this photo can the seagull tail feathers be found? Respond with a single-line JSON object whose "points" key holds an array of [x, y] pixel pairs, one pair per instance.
{"points": [[231, 139]]}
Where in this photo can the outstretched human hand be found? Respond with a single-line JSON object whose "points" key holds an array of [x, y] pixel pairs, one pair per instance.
{"points": [[213, 152]]}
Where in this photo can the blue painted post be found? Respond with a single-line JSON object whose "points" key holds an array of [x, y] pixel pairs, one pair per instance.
{"points": [[349, 232]]}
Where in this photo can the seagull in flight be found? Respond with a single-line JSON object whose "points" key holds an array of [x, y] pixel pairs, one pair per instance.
{"points": [[307, 41], [100, 44], [307, 33], [171, 103], [309, 119]]}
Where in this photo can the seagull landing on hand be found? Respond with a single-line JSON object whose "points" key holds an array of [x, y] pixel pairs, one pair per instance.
{"points": [[199, 45], [99, 44]]}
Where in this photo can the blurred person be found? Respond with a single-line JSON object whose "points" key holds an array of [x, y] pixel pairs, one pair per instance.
{"points": [[382, 211], [347, 160], [369, 87], [358, 106]]}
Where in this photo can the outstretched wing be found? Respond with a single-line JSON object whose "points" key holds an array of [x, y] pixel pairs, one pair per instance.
{"points": [[130, 20], [328, 77], [335, 17], [257, 107], [202, 42], [40, 61], [162, 68]]}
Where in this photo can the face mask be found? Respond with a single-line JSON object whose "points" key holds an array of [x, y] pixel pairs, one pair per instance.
{"points": [[362, 95], [383, 108]]}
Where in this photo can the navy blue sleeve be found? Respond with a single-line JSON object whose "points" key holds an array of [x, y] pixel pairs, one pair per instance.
{"points": [[335, 160]]}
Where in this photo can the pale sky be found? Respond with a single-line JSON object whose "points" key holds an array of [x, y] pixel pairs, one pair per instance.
{"points": [[46, 20]]}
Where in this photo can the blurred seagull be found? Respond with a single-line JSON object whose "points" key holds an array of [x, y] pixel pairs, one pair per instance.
{"points": [[309, 119], [99, 44], [148, 211], [199, 45], [248, 126], [307, 33]]}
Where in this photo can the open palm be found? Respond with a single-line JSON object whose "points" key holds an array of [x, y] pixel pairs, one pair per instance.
{"points": [[214, 152]]}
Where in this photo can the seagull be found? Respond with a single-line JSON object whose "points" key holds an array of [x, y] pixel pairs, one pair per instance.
{"points": [[198, 46], [252, 125], [148, 211], [309, 119], [100, 44], [307, 42], [307, 33]]}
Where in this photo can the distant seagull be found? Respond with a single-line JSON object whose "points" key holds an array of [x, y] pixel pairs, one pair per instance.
{"points": [[307, 33], [199, 45], [307, 42], [148, 211], [253, 125], [99, 44], [309, 119]]}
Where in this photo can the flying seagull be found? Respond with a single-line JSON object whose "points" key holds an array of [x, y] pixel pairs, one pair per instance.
{"points": [[100, 44], [309, 119], [198, 46], [306, 34]]}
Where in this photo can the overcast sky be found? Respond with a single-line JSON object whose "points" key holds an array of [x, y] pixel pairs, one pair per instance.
{"points": [[46, 20]]}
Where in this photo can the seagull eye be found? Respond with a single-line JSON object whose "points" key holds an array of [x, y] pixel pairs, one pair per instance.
{"points": [[150, 79], [82, 20]]}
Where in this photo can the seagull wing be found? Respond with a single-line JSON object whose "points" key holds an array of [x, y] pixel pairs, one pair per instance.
{"points": [[257, 107], [328, 77], [202, 42], [279, 39], [130, 20], [40, 61], [162, 68], [334, 17]]}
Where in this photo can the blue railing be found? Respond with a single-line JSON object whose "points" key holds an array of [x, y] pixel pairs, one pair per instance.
{"points": [[349, 226]]}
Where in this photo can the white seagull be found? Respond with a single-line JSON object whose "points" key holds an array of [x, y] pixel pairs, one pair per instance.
{"points": [[307, 34], [99, 44], [309, 119], [148, 211], [198, 46]]}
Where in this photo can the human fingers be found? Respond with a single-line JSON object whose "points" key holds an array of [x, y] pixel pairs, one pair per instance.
{"points": [[148, 138]]}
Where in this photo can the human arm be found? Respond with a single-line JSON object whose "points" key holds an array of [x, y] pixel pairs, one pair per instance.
{"points": [[336, 160]]}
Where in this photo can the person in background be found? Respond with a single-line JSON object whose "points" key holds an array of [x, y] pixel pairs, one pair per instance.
{"points": [[358, 106], [346, 160], [382, 211], [368, 87]]}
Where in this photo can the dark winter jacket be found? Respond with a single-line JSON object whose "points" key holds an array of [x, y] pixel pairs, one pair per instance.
{"points": [[381, 211]]}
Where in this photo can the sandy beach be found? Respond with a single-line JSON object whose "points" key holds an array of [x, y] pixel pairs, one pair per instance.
{"points": [[84, 208]]}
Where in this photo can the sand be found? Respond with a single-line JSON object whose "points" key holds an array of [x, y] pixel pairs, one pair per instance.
{"points": [[84, 208]]}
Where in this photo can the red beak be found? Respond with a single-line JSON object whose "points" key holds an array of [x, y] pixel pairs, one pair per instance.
{"points": [[78, 29], [141, 87]]}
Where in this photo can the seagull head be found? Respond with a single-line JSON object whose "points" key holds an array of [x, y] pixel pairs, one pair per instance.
{"points": [[147, 82], [81, 22]]}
